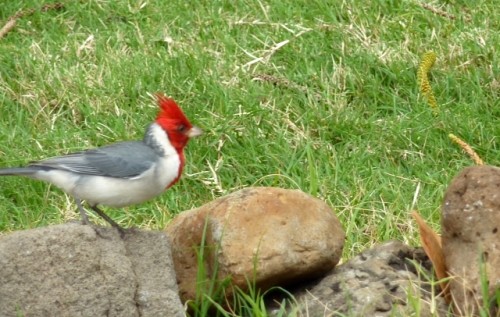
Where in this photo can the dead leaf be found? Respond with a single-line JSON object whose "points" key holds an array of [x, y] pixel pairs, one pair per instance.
{"points": [[431, 242]]}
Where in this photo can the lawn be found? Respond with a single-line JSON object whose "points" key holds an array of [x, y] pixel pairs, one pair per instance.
{"points": [[319, 95]]}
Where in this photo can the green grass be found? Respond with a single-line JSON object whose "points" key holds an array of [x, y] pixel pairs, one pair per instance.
{"points": [[339, 115]]}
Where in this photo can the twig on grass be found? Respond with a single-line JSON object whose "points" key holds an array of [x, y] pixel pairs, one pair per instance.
{"points": [[442, 13], [11, 22], [437, 11], [283, 82]]}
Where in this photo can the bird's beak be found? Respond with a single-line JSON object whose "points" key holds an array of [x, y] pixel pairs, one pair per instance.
{"points": [[194, 131]]}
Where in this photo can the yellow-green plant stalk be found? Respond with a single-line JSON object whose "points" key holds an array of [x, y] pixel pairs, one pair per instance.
{"points": [[467, 148], [428, 59]]}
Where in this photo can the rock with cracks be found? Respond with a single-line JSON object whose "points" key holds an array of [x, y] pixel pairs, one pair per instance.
{"points": [[271, 235], [471, 236], [380, 282], [70, 270]]}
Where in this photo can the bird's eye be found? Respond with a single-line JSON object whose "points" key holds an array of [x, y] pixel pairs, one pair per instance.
{"points": [[181, 128]]}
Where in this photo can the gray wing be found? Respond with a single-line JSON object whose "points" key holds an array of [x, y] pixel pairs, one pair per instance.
{"points": [[121, 160]]}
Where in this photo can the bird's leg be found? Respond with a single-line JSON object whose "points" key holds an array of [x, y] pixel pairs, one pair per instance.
{"points": [[108, 219], [83, 213]]}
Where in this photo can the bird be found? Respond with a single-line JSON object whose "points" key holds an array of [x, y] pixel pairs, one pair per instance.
{"points": [[123, 173]]}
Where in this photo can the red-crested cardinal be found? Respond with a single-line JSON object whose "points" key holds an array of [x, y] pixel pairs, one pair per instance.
{"points": [[123, 173]]}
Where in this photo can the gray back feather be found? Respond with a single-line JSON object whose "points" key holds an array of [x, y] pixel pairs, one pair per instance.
{"points": [[121, 160]]}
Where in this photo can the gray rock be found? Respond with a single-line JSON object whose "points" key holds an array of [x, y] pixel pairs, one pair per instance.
{"points": [[471, 225], [70, 270], [377, 282]]}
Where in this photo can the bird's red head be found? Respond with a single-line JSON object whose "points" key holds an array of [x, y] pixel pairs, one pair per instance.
{"points": [[174, 122]]}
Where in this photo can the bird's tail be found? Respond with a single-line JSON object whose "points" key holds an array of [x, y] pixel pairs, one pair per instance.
{"points": [[23, 171]]}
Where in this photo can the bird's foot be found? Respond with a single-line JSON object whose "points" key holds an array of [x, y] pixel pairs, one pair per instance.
{"points": [[121, 230], [85, 222], [83, 213]]}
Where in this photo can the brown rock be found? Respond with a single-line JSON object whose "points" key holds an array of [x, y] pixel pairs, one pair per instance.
{"points": [[69, 270], [279, 236], [470, 225]]}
